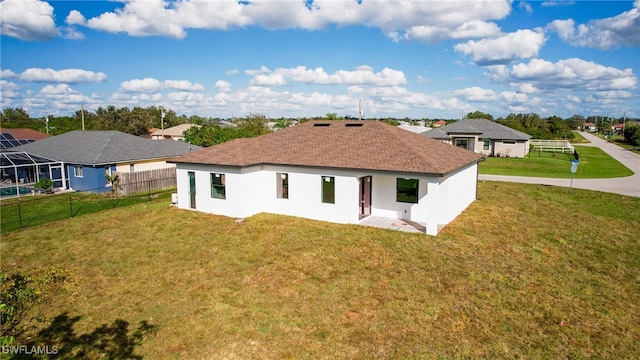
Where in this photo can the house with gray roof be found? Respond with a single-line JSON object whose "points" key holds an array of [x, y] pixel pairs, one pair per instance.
{"points": [[483, 136], [87, 155], [341, 171]]}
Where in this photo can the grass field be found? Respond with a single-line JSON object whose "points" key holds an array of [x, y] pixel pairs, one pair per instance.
{"points": [[527, 271], [26, 211], [594, 164]]}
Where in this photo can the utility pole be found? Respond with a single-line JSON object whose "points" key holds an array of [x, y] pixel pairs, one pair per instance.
{"points": [[162, 123]]}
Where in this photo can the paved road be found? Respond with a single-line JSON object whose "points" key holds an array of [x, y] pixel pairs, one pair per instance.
{"points": [[629, 185]]}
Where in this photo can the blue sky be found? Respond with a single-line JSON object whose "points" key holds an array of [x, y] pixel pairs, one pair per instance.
{"points": [[301, 58]]}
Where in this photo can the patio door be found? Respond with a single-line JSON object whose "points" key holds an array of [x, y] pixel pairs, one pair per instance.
{"points": [[192, 190], [365, 196]]}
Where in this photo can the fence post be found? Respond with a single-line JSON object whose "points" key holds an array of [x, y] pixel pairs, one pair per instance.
{"points": [[19, 214], [149, 187]]}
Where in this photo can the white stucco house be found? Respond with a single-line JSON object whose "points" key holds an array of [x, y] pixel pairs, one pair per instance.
{"points": [[483, 136], [336, 171]]}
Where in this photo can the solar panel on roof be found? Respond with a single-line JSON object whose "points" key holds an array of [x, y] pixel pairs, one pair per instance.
{"points": [[6, 136]]}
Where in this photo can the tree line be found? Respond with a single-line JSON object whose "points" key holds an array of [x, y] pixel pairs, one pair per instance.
{"points": [[139, 120], [136, 121]]}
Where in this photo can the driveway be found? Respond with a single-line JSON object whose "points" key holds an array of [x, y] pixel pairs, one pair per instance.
{"points": [[629, 186]]}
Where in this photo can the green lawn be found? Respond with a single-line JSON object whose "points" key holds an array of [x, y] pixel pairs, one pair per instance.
{"points": [[594, 164], [527, 271], [26, 211]]}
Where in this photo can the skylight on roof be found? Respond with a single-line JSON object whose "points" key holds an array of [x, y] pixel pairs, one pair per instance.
{"points": [[353, 125], [321, 124]]}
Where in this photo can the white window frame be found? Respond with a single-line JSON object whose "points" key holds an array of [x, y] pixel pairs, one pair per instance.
{"points": [[332, 181], [223, 186], [282, 185], [78, 171]]}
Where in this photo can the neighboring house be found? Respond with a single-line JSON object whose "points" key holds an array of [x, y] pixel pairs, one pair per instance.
{"points": [[173, 133], [150, 131], [438, 123], [589, 126], [87, 155], [618, 128], [12, 137], [483, 136], [418, 129], [337, 171]]}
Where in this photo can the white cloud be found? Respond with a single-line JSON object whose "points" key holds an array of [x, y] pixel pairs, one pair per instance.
{"points": [[528, 88], [9, 92], [70, 76], [75, 18], [476, 93], [557, 3], [602, 34], [434, 33], [223, 86], [502, 50], [58, 90], [147, 85], [263, 70], [5, 73], [183, 85], [363, 75], [268, 80], [573, 74], [513, 97], [232, 72], [525, 6], [425, 20], [27, 20]]}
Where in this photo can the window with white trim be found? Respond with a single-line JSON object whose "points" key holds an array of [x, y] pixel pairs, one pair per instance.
{"points": [[77, 171], [282, 185], [407, 190], [328, 189], [218, 186]]}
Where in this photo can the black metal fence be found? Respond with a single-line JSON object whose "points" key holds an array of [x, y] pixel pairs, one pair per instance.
{"points": [[27, 211]]}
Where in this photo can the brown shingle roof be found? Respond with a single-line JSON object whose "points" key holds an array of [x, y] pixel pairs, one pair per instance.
{"points": [[367, 145], [25, 134]]}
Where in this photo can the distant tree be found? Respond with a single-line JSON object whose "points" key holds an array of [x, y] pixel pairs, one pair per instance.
{"points": [[391, 121], [559, 128], [479, 115], [210, 134], [14, 115], [632, 134], [90, 120], [195, 119], [282, 123], [576, 121], [140, 121]]}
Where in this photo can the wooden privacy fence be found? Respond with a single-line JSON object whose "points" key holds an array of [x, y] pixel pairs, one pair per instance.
{"points": [[146, 181]]}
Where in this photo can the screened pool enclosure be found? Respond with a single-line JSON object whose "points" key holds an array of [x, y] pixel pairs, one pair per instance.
{"points": [[20, 171]]}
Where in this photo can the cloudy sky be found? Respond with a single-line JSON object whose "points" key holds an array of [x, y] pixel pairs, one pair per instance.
{"points": [[413, 58]]}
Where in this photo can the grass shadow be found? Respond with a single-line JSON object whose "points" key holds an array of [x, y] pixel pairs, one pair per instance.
{"points": [[107, 341]]}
